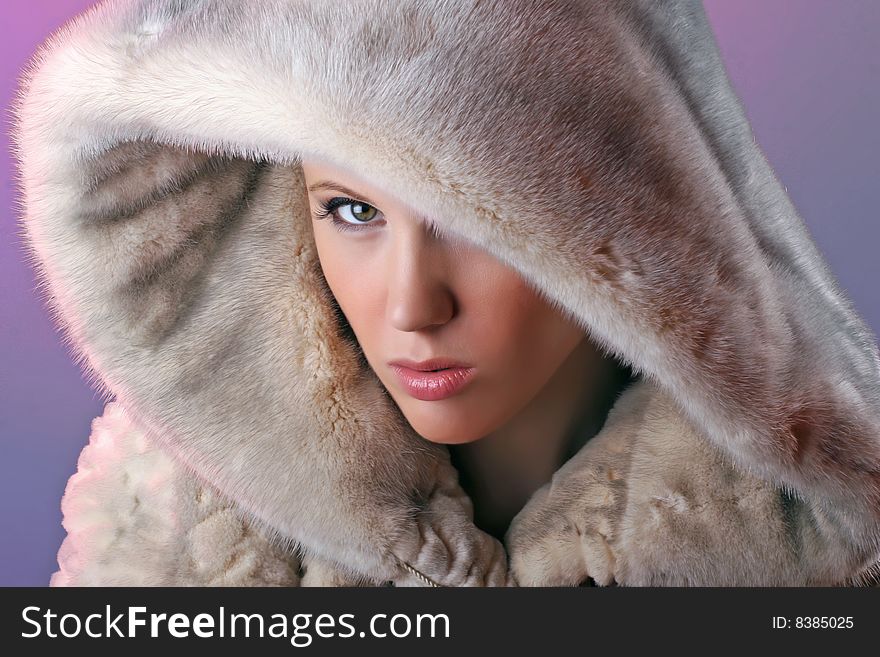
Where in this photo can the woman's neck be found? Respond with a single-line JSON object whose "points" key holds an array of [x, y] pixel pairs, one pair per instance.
{"points": [[501, 471]]}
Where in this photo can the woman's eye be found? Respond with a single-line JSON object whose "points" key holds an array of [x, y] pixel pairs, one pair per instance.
{"points": [[348, 214], [357, 212]]}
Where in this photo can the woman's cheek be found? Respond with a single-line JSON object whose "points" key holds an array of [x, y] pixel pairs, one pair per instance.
{"points": [[356, 283], [507, 321]]}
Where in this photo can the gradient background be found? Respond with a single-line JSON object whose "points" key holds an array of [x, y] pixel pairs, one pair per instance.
{"points": [[807, 71]]}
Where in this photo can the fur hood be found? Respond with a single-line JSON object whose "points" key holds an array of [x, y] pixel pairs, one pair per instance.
{"points": [[245, 439]]}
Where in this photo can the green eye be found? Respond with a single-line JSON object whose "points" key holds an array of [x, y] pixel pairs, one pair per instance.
{"points": [[360, 212], [362, 215]]}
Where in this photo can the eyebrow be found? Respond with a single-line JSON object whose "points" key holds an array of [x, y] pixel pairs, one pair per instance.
{"points": [[330, 185]]}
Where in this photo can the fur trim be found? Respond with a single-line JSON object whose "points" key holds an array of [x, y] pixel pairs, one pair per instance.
{"points": [[136, 517]]}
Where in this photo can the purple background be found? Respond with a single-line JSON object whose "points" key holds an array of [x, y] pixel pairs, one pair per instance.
{"points": [[807, 71]]}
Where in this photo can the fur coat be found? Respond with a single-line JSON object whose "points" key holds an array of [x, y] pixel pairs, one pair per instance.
{"points": [[595, 146]]}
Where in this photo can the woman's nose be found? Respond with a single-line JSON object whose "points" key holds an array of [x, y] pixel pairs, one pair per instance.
{"points": [[419, 288]]}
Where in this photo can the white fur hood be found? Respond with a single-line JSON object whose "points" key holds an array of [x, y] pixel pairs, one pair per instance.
{"points": [[247, 441]]}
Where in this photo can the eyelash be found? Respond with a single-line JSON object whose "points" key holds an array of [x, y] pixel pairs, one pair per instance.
{"points": [[328, 209]]}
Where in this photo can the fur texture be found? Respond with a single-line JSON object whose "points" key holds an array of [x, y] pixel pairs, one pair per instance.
{"points": [[597, 147]]}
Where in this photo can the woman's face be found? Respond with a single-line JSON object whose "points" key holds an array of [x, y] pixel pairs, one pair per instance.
{"points": [[409, 294]]}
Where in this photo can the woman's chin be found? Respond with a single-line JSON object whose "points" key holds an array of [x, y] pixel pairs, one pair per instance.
{"points": [[446, 439], [444, 428]]}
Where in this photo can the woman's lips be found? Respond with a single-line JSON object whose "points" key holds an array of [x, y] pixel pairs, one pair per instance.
{"points": [[433, 386]]}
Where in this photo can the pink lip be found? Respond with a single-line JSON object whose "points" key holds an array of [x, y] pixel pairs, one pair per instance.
{"points": [[432, 386]]}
